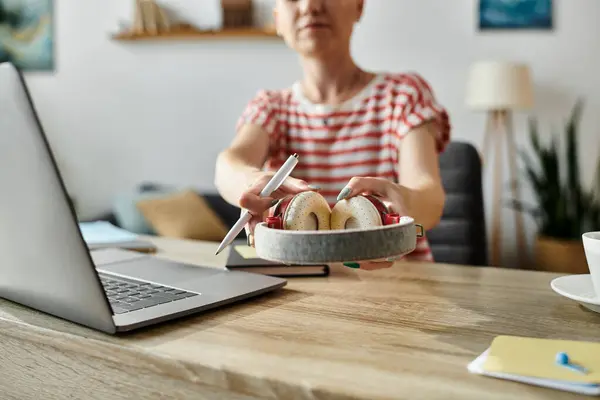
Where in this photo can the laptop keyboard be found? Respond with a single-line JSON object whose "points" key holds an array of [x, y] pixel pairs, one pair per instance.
{"points": [[127, 295]]}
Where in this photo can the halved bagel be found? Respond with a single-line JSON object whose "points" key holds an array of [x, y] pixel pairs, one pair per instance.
{"points": [[310, 211], [358, 212], [304, 212]]}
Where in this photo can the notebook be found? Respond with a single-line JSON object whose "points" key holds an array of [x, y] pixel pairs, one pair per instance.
{"points": [[244, 257], [102, 234], [533, 361]]}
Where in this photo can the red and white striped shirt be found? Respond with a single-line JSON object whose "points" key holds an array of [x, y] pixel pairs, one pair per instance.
{"points": [[357, 138]]}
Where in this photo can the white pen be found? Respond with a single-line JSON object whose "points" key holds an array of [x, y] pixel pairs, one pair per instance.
{"points": [[276, 181]]}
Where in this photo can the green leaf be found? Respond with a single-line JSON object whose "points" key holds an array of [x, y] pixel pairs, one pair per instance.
{"points": [[573, 182], [524, 207], [534, 136], [527, 160], [535, 180], [596, 184]]}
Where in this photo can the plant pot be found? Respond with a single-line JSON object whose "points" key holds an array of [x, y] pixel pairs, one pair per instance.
{"points": [[560, 255]]}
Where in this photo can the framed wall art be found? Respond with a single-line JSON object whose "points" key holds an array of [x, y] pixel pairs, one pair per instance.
{"points": [[515, 14], [27, 34]]}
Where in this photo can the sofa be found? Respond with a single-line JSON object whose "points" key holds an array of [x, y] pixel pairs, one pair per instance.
{"points": [[158, 209]]}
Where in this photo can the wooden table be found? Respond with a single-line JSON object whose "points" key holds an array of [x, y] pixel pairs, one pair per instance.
{"points": [[406, 332]]}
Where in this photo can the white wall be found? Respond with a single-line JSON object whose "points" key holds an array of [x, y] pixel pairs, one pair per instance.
{"points": [[161, 111]]}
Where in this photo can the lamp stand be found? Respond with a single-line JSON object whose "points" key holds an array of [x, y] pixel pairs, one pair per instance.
{"points": [[499, 130]]}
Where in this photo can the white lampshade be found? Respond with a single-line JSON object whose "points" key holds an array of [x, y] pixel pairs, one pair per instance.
{"points": [[495, 85]]}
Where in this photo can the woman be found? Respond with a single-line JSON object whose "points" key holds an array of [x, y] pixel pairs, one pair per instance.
{"points": [[355, 131]]}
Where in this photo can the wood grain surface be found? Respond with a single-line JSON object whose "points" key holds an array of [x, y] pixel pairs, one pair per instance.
{"points": [[407, 332]]}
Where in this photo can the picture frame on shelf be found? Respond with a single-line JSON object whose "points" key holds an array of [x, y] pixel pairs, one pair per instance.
{"points": [[515, 15]]}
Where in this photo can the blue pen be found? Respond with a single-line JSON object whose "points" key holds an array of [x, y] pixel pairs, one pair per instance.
{"points": [[562, 359]]}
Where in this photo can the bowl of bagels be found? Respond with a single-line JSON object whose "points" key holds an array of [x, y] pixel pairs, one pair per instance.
{"points": [[302, 229]]}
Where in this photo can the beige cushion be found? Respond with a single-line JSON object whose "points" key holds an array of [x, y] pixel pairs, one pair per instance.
{"points": [[184, 215]]}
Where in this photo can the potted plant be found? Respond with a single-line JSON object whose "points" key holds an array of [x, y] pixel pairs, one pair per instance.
{"points": [[564, 209]]}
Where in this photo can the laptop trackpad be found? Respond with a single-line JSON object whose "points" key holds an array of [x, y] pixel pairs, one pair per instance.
{"points": [[163, 272], [111, 256]]}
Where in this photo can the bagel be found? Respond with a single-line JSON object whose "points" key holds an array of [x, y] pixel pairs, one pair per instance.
{"points": [[310, 211], [302, 212], [359, 212]]}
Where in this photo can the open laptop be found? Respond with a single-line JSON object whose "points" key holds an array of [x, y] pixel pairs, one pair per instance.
{"points": [[45, 263]]}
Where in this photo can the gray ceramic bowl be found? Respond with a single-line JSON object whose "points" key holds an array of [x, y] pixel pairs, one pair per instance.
{"points": [[320, 247]]}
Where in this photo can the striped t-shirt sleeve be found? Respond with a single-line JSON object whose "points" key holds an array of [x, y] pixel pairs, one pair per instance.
{"points": [[419, 105], [262, 111]]}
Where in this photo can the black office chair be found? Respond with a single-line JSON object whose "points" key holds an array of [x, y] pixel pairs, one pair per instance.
{"points": [[460, 238]]}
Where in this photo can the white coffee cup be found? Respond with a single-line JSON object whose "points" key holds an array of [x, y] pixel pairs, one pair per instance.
{"points": [[591, 245]]}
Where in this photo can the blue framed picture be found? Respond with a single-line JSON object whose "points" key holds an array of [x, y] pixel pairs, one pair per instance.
{"points": [[515, 14], [27, 34]]}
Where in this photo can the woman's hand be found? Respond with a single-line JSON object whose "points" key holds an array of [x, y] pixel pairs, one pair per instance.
{"points": [[395, 197], [419, 194], [257, 206]]}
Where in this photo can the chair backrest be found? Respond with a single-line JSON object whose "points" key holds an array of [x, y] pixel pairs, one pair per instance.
{"points": [[460, 237]]}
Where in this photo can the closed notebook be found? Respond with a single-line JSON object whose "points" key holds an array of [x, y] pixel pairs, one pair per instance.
{"points": [[102, 235], [533, 361], [244, 257]]}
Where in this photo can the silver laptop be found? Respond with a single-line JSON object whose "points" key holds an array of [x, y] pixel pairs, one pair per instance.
{"points": [[45, 263]]}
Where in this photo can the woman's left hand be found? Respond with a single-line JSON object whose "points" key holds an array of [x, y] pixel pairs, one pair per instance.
{"points": [[396, 198]]}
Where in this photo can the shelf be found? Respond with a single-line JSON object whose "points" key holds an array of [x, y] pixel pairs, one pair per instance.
{"points": [[186, 34]]}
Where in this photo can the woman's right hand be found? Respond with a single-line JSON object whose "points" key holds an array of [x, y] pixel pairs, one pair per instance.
{"points": [[257, 206]]}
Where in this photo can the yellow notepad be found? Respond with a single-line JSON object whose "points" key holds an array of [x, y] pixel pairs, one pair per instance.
{"points": [[247, 252], [535, 357]]}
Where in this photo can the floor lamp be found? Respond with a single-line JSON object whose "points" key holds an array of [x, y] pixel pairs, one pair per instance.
{"points": [[499, 89]]}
